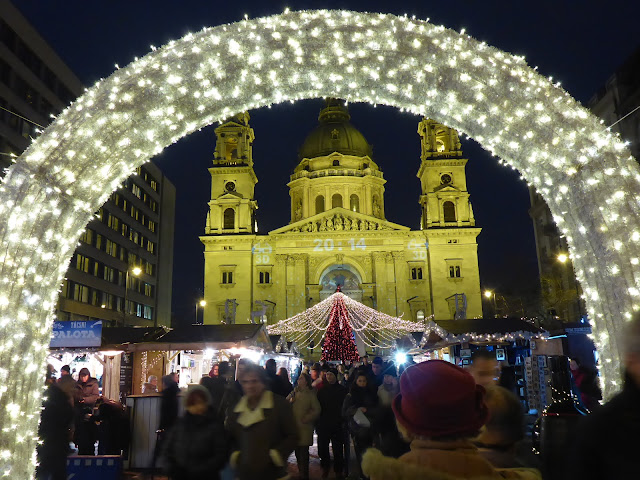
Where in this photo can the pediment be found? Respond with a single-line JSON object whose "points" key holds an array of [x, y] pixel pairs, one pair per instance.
{"points": [[447, 188], [230, 196], [340, 219]]}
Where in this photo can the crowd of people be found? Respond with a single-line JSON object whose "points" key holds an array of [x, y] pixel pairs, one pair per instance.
{"points": [[431, 420]]}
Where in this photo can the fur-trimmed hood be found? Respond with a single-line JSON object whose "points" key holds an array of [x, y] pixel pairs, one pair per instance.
{"points": [[378, 467]]}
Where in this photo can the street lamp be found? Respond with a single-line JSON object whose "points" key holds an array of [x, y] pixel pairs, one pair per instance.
{"points": [[489, 294], [562, 257], [135, 271], [202, 303]]}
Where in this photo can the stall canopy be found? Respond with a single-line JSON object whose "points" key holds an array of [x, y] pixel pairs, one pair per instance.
{"points": [[112, 338], [485, 331], [200, 337]]}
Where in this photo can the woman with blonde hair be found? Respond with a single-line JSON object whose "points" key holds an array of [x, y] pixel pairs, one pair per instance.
{"points": [[306, 410]]}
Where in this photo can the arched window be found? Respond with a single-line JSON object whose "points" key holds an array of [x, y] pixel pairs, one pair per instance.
{"points": [[320, 204], [449, 211], [354, 203], [336, 200], [229, 219], [336, 163]]}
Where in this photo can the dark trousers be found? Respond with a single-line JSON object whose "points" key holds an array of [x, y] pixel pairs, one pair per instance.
{"points": [[302, 457], [362, 439], [334, 436]]}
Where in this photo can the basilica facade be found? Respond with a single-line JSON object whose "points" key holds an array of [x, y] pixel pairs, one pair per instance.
{"points": [[339, 234]]}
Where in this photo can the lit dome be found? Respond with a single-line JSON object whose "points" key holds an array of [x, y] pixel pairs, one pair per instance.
{"points": [[334, 134]]}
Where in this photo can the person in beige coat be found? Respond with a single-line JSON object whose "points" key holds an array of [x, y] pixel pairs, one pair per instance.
{"points": [[306, 410], [439, 410]]}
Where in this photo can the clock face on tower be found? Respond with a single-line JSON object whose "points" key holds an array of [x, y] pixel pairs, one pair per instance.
{"points": [[229, 186], [445, 179]]}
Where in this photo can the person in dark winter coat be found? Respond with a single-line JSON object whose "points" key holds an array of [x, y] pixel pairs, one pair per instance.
{"points": [[196, 446], [263, 429], [606, 442], [113, 427], [330, 424], [224, 395], [363, 401], [89, 387], [86, 432], [57, 415], [275, 382], [168, 403]]}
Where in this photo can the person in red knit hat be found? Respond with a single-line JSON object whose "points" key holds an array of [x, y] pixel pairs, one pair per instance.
{"points": [[439, 410]]}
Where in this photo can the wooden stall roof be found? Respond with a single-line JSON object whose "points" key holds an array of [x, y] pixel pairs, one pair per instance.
{"points": [[200, 337]]}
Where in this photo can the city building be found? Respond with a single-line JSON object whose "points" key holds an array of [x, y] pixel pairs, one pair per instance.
{"points": [[617, 103], [125, 257], [339, 234], [133, 230], [34, 84]]}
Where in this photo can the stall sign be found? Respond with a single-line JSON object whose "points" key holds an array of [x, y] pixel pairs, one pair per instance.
{"points": [[76, 334]]}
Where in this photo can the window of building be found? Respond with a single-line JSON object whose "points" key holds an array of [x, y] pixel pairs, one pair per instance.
{"points": [[336, 200], [416, 273], [455, 271], [336, 163], [354, 203], [82, 263], [229, 219], [227, 277], [265, 277], [148, 312], [135, 189], [87, 236], [320, 204], [420, 315], [449, 211]]}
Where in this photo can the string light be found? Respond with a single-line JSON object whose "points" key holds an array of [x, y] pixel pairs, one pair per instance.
{"points": [[584, 172], [451, 338], [375, 329]]}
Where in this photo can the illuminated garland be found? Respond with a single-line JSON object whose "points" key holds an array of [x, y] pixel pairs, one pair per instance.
{"points": [[584, 172], [447, 337], [374, 328]]}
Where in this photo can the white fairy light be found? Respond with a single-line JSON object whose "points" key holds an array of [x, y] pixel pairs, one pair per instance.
{"points": [[374, 328], [205, 78]]}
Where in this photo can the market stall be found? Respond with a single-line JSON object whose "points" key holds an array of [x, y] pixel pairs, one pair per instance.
{"points": [[85, 344], [189, 351]]}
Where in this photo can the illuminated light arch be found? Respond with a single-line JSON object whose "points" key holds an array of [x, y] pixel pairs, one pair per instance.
{"points": [[585, 174]]}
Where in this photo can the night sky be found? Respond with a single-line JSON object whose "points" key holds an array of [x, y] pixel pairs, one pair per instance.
{"points": [[580, 43]]}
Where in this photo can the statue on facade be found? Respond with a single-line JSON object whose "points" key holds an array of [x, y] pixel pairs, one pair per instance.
{"points": [[376, 208], [298, 212], [347, 223], [338, 223]]}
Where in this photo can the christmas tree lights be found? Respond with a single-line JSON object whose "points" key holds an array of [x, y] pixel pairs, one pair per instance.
{"points": [[339, 342], [375, 329], [583, 171]]}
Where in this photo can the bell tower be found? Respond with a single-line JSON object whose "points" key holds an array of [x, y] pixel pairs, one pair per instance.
{"points": [[232, 206], [445, 199]]}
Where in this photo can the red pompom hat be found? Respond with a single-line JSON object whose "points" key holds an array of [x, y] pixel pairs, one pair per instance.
{"points": [[438, 399]]}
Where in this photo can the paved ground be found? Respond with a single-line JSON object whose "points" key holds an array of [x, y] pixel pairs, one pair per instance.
{"points": [[315, 471]]}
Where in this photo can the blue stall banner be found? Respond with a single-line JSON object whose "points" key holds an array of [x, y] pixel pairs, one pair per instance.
{"points": [[76, 334], [105, 467]]}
